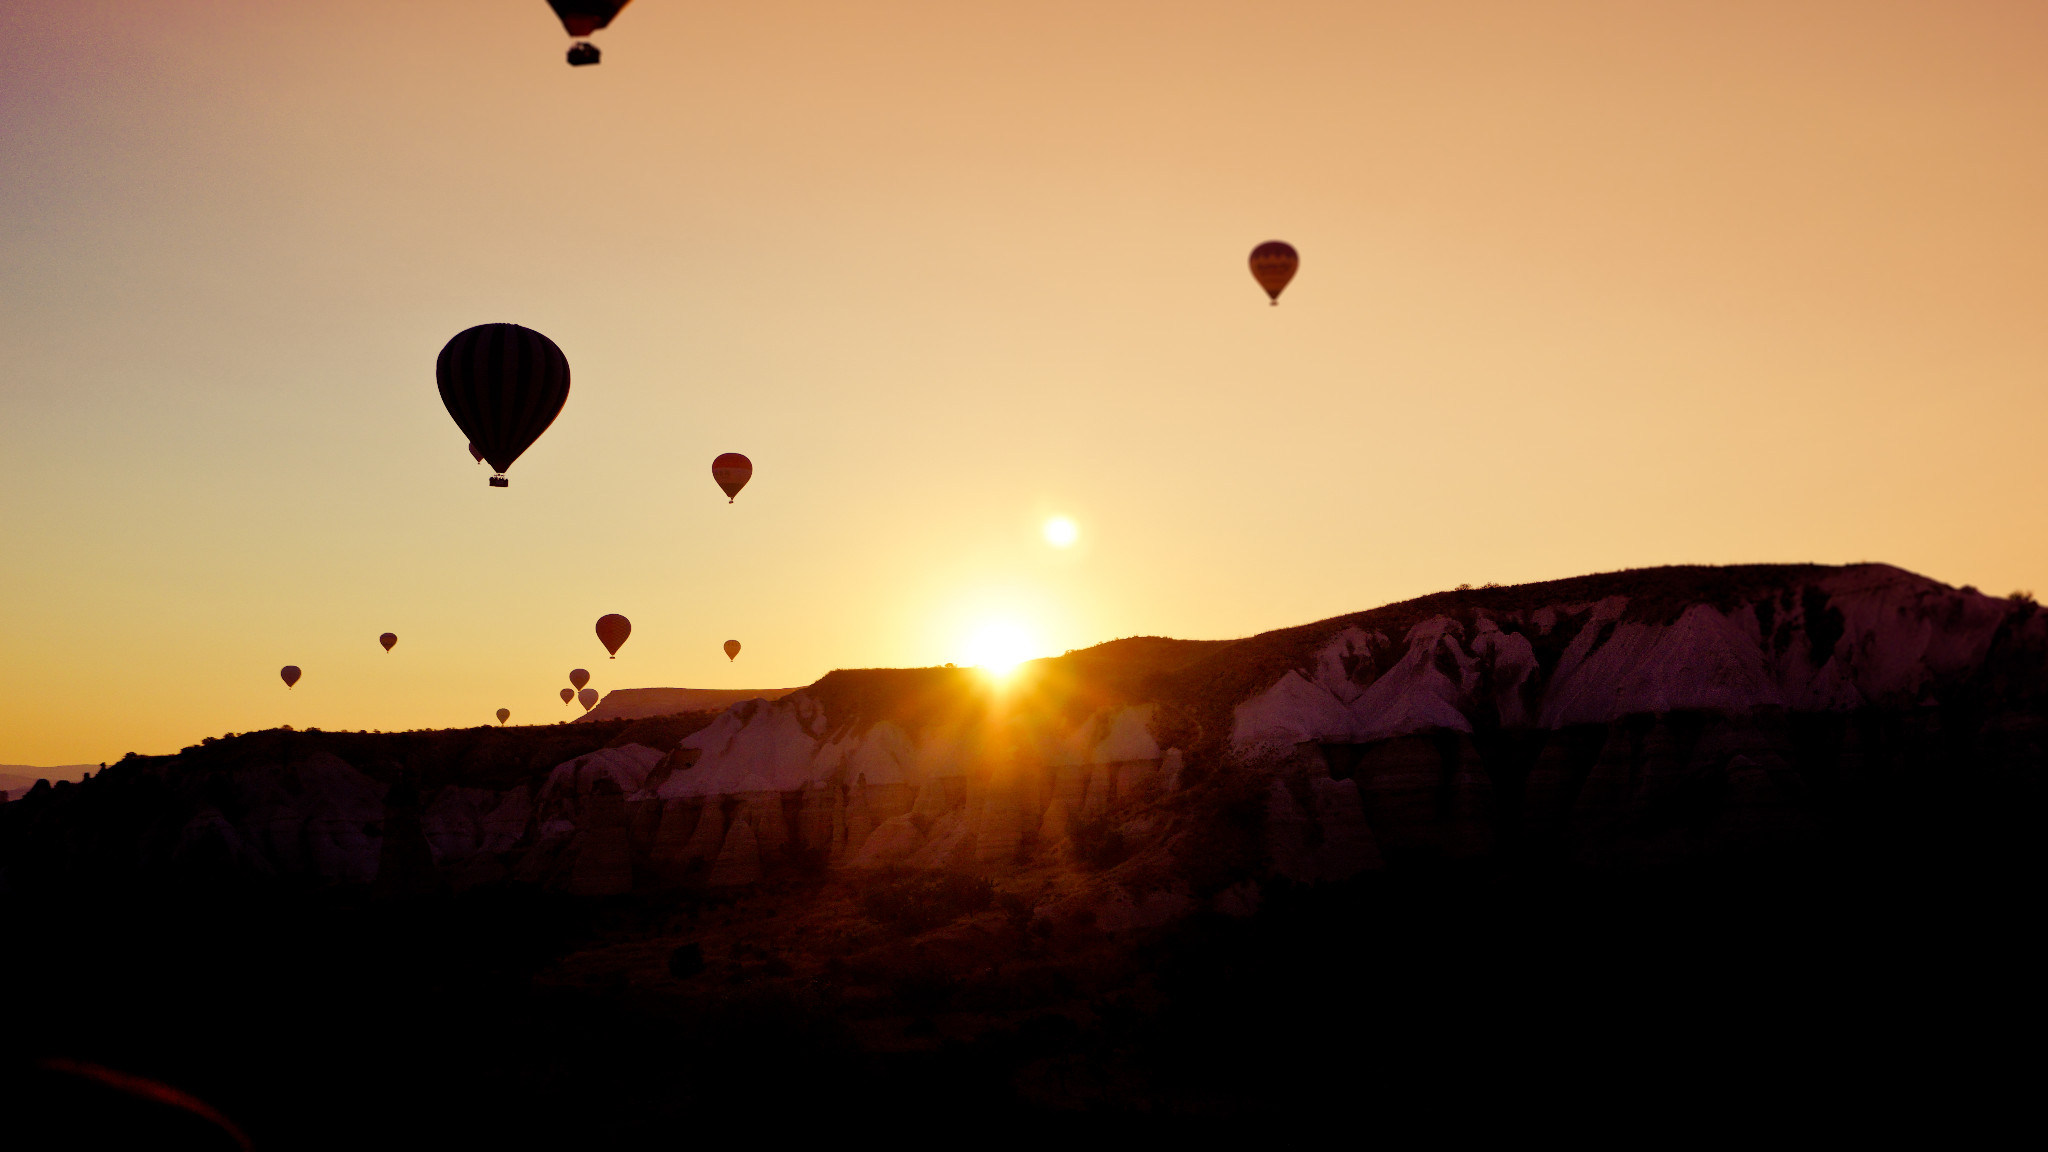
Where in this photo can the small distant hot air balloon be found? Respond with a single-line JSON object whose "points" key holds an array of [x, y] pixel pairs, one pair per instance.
{"points": [[387, 640], [290, 674], [473, 452], [504, 385], [1273, 265], [612, 630], [732, 471], [581, 18], [732, 649], [578, 677], [504, 714], [587, 698], [568, 694]]}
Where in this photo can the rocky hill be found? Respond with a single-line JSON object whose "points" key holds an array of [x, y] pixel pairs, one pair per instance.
{"points": [[640, 703], [1124, 859]]}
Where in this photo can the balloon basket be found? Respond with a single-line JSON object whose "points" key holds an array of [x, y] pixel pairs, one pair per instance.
{"points": [[500, 482], [583, 52]]}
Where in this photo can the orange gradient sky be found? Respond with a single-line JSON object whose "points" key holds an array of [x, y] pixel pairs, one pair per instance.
{"points": [[1584, 287]]}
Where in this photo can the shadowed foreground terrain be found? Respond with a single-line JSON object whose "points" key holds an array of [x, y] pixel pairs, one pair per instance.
{"points": [[1653, 853]]}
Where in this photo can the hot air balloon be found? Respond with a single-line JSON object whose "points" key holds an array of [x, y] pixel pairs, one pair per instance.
{"points": [[732, 649], [612, 630], [1273, 265], [504, 714], [732, 471], [290, 673], [581, 18], [568, 694], [504, 385], [587, 698], [387, 640], [578, 677], [478, 455]]}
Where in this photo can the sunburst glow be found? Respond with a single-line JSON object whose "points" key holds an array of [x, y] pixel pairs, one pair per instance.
{"points": [[1061, 532], [998, 646]]}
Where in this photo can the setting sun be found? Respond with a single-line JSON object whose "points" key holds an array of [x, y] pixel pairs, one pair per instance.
{"points": [[998, 646], [1061, 532]]}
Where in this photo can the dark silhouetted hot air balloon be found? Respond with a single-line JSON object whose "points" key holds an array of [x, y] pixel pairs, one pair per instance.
{"points": [[504, 714], [478, 455], [612, 630], [1273, 265], [732, 471], [732, 649], [578, 677], [587, 698], [568, 694], [290, 673], [581, 18], [504, 385], [387, 640]]}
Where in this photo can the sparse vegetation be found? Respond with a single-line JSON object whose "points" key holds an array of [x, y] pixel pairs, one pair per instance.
{"points": [[922, 901]]}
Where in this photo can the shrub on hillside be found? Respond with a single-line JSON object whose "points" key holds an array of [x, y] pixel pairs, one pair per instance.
{"points": [[923, 901]]}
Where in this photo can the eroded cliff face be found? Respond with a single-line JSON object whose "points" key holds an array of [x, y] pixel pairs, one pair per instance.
{"points": [[1633, 719]]}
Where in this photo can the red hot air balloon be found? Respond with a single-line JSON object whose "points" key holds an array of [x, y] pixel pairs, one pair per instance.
{"points": [[587, 698], [478, 455], [387, 640], [504, 385], [1273, 265], [612, 630], [290, 674], [578, 677], [732, 649], [582, 17], [504, 714], [732, 471], [568, 694]]}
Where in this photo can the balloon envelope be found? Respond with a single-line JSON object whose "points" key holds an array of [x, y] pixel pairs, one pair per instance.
{"points": [[582, 17], [290, 674], [732, 471], [578, 677], [587, 698], [732, 649], [504, 714], [568, 694], [612, 630], [1273, 265], [503, 385], [478, 455], [387, 640]]}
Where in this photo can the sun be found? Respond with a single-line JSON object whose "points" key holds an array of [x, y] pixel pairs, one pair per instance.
{"points": [[1061, 532], [998, 646]]}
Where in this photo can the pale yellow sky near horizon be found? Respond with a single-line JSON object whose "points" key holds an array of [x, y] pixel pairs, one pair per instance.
{"points": [[1583, 287]]}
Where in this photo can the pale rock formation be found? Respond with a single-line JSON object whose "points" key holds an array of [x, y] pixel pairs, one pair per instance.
{"points": [[774, 742], [932, 801], [1001, 828], [708, 837], [1057, 826], [600, 857], [453, 823], [626, 767], [1287, 840], [814, 817], [1348, 847], [739, 862], [209, 839], [1096, 805], [507, 823], [949, 844], [672, 839], [762, 809], [860, 820], [892, 842]]}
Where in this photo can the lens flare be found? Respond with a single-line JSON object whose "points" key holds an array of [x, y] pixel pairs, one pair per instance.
{"points": [[1061, 532], [998, 646]]}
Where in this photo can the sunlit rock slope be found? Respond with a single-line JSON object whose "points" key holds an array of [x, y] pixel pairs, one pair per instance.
{"points": [[1622, 720]]}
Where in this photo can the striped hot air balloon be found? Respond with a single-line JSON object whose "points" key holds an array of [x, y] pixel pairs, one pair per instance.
{"points": [[504, 385], [289, 674], [732, 471], [387, 640], [612, 630], [578, 677], [1273, 265], [568, 694], [587, 698], [732, 649], [504, 714]]}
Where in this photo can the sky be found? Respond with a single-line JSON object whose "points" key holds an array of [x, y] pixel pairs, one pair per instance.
{"points": [[1584, 286]]}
